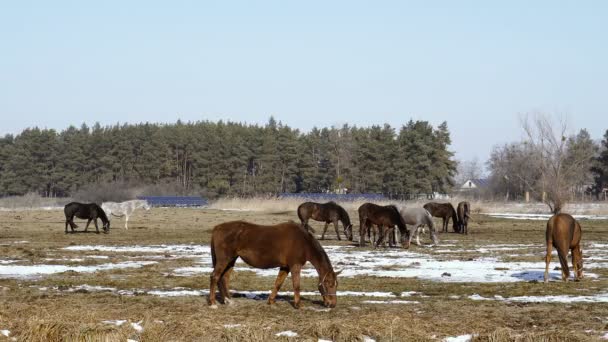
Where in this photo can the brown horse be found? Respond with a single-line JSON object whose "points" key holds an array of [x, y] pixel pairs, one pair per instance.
{"points": [[445, 211], [329, 212], [564, 233], [385, 217], [464, 213], [286, 246]]}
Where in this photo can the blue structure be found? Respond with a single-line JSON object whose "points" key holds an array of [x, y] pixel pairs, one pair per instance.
{"points": [[326, 197], [174, 201]]}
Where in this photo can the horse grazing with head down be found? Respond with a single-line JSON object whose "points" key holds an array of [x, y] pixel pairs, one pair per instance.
{"points": [[385, 217], [329, 212], [445, 211], [464, 213], [90, 211], [564, 233], [286, 246], [124, 208], [418, 218]]}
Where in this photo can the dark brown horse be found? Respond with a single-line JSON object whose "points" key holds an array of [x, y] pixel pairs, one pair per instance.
{"points": [[385, 217], [564, 233], [445, 211], [464, 213], [329, 212], [286, 246], [90, 211]]}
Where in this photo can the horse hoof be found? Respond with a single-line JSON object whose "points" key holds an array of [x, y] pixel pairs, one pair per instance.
{"points": [[214, 307], [228, 301]]}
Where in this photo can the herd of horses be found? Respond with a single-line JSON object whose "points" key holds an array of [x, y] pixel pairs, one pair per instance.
{"points": [[289, 246]]}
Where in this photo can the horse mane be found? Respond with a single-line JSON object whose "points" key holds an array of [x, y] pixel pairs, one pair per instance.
{"points": [[342, 212], [318, 248], [396, 212], [102, 214]]}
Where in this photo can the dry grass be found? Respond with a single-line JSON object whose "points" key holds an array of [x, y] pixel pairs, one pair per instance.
{"points": [[34, 315]]}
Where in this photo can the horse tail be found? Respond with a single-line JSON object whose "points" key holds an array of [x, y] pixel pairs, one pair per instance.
{"points": [[429, 219], [213, 258]]}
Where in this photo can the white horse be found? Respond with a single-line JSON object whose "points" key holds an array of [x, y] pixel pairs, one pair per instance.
{"points": [[419, 217], [124, 208]]}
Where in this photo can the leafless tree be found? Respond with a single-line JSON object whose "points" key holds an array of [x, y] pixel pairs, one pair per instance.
{"points": [[559, 170], [469, 169]]}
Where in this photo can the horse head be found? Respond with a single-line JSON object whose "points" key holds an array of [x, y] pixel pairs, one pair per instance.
{"points": [[328, 286], [106, 227], [348, 230]]}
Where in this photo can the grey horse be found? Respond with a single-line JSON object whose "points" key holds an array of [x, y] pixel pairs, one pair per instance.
{"points": [[418, 218]]}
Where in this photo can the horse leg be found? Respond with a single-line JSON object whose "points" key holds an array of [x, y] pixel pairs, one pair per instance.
{"points": [[577, 256], [126, 221], [548, 259], [295, 278], [283, 272], [336, 229], [225, 282], [324, 231], [563, 260], [214, 279], [433, 234], [96, 227], [86, 228], [362, 233], [380, 236], [66, 226]]}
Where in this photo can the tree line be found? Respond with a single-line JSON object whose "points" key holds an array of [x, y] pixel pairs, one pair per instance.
{"points": [[229, 158], [550, 165]]}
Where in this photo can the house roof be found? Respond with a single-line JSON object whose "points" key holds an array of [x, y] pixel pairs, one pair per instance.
{"points": [[479, 182]]}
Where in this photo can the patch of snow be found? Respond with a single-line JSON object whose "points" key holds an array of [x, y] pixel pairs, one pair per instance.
{"points": [[231, 326], [137, 326], [598, 298], [24, 271], [390, 302], [323, 340], [5, 332], [542, 217], [287, 333], [461, 338], [116, 322], [605, 336], [368, 339]]}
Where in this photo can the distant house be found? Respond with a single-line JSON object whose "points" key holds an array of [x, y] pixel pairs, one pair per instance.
{"points": [[475, 184]]}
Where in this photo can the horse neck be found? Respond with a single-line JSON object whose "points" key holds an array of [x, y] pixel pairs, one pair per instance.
{"points": [[319, 260]]}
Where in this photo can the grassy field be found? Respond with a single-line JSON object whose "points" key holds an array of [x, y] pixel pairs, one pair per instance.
{"points": [[157, 302]]}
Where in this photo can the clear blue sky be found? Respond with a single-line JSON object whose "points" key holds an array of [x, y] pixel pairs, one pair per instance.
{"points": [[476, 64]]}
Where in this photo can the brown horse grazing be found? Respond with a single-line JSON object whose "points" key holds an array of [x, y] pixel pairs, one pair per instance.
{"points": [[286, 246], [445, 211], [564, 233], [329, 212], [464, 213], [384, 217]]}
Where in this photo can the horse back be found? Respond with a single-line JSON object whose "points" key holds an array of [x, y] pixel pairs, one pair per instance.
{"points": [[261, 246], [563, 229]]}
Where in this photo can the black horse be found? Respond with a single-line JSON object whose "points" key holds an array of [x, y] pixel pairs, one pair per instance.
{"points": [[90, 211], [329, 212]]}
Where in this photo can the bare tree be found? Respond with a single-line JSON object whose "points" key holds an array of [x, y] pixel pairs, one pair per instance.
{"points": [[559, 170], [469, 169]]}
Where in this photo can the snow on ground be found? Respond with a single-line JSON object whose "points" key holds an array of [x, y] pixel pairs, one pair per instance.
{"points": [[116, 322], [5, 332], [543, 217], [400, 263], [287, 333], [25, 271], [597, 298], [390, 302], [395, 263], [461, 338]]}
